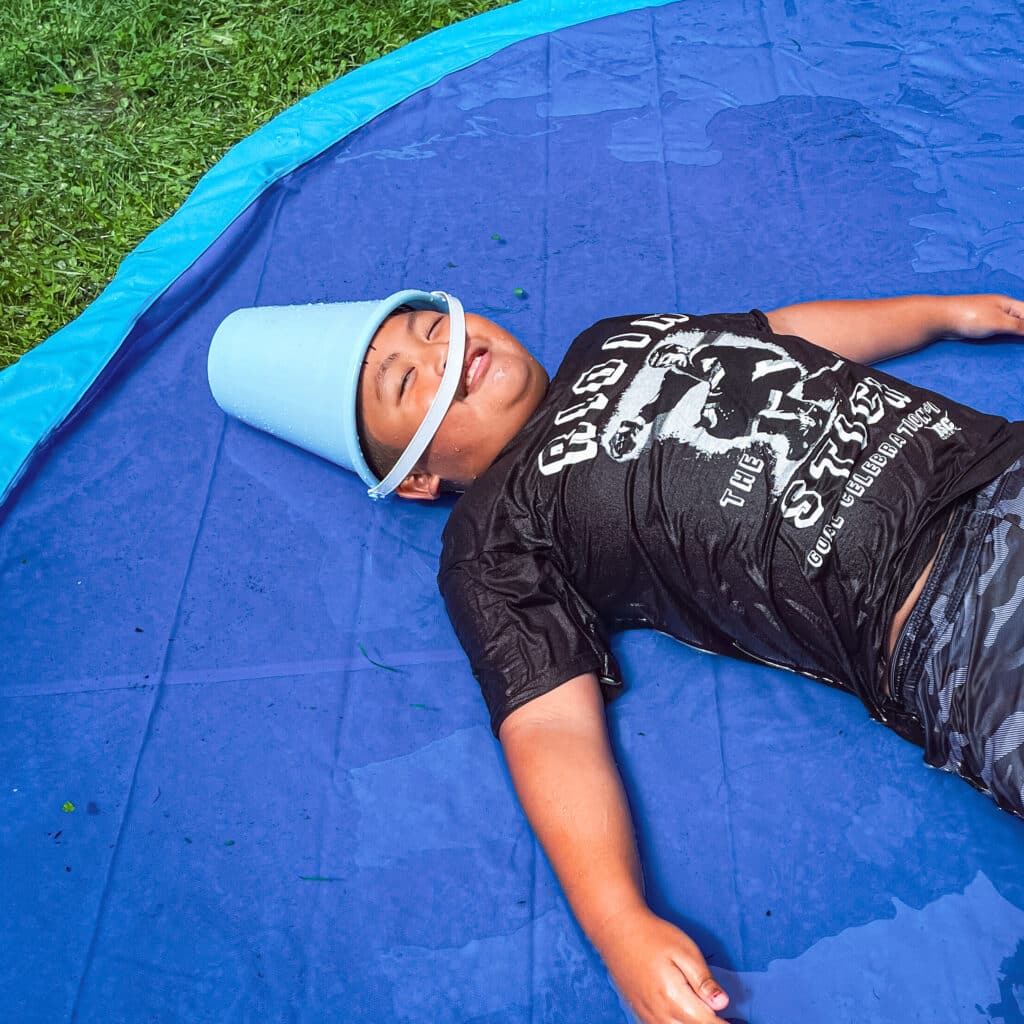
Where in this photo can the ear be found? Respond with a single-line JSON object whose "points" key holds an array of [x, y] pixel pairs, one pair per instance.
{"points": [[420, 487]]}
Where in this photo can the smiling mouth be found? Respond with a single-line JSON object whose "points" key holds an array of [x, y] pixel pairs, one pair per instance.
{"points": [[476, 366]]}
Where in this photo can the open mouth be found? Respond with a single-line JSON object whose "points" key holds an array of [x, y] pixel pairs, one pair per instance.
{"points": [[475, 365]]}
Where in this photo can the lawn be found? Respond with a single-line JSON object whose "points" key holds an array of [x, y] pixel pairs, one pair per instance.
{"points": [[111, 110]]}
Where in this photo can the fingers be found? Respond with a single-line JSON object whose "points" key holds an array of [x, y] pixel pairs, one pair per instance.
{"points": [[676, 1004], [698, 976], [660, 972], [712, 994], [981, 316], [1013, 311], [702, 982], [689, 1008]]}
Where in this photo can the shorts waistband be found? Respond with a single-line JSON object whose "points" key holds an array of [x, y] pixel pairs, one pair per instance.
{"points": [[950, 575]]}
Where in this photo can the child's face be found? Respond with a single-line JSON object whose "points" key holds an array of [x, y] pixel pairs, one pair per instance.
{"points": [[501, 386]]}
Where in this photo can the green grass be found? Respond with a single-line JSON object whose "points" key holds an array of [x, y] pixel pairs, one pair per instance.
{"points": [[111, 110]]}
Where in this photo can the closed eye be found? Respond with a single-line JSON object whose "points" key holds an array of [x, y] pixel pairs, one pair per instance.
{"points": [[430, 331], [406, 377]]}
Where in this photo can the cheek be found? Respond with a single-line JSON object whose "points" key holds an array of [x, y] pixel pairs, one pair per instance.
{"points": [[501, 371], [460, 429], [463, 445], [506, 381], [385, 429]]}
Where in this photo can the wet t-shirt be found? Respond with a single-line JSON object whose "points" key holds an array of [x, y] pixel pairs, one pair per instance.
{"points": [[746, 492]]}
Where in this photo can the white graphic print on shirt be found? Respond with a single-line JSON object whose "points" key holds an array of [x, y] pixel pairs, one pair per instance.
{"points": [[719, 394], [686, 392]]}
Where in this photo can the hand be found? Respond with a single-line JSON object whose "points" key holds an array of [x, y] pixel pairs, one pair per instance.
{"points": [[659, 970], [981, 316]]}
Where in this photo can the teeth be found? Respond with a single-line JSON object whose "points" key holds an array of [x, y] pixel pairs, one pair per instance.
{"points": [[472, 369]]}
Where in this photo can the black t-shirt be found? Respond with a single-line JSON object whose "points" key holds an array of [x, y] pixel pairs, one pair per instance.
{"points": [[748, 493]]}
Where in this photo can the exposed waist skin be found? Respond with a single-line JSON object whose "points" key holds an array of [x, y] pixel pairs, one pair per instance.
{"points": [[903, 612]]}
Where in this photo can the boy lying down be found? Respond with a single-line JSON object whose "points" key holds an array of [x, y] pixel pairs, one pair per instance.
{"points": [[744, 482]]}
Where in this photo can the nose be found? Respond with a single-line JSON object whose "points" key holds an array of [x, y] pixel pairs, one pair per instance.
{"points": [[439, 360], [440, 343]]}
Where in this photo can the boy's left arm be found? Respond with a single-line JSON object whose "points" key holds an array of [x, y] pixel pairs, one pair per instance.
{"points": [[868, 330]]}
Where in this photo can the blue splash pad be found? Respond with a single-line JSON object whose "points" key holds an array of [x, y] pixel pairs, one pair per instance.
{"points": [[288, 805]]}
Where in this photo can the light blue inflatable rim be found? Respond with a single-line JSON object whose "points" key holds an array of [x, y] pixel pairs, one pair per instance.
{"points": [[39, 392]]}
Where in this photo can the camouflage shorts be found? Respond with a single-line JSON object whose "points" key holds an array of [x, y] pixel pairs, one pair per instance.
{"points": [[959, 662]]}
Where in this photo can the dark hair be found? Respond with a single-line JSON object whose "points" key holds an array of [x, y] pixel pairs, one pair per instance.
{"points": [[380, 457]]}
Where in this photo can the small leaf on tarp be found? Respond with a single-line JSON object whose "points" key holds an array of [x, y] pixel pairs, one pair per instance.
{"points": [[68, 807], [318, 878], [230, 842], [378, 664]]}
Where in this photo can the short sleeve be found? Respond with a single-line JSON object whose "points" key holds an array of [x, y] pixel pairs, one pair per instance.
{"points": [[758, 319], [524, 629], [754, 322]]}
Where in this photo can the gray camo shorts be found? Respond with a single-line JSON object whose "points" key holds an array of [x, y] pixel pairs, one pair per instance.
{"points": [[958, 666]]}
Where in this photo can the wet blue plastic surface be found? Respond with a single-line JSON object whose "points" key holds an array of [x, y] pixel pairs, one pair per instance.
{"points": [[271, 826]]}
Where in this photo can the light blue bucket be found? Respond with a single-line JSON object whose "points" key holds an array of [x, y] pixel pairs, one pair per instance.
{"points": [[293, 371]]}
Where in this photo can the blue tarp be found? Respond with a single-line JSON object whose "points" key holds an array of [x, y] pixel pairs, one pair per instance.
{"points": [[287, 802]]}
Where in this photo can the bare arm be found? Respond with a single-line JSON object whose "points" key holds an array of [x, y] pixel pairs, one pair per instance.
{"points": [[867, 330], [567, 782]]}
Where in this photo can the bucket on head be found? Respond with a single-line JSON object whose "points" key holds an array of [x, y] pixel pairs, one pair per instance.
{"points": [[293, 371]]}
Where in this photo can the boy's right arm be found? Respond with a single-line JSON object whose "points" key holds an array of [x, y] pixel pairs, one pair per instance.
{"points": [[567, 782]]}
